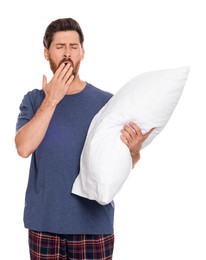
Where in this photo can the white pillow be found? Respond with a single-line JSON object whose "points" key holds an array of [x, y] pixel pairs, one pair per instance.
{"points": [[149, 100]]}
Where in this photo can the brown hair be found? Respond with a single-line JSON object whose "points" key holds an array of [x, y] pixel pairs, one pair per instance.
{"points": [[64, 24]]}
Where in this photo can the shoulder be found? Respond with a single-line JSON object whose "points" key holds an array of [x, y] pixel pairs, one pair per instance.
{"points": [[35, 94], [99, 93], [34, 97]]}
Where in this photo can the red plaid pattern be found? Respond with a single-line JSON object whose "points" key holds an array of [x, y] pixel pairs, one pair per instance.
{"points": [[49, 246]]}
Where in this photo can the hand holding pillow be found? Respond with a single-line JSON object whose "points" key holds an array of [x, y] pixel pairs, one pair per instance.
{"points": [[132, 136], [148, 100]]}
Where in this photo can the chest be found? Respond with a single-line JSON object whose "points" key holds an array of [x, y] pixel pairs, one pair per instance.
{"points": [[70, 123]]}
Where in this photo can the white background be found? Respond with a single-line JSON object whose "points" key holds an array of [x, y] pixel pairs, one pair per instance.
{"points": [[160, 211]]}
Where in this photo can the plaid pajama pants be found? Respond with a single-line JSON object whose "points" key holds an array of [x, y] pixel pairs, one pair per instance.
{"points": [[49, 246]]}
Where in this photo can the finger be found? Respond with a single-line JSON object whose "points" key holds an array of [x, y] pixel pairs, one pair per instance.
{"points": [[58, 72], [127, 135], [69, 81], [135, 128], [67, 75], [124, 140], [64, 73], [130, 130]]}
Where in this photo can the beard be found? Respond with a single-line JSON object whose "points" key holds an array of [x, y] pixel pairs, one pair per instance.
{"points": [[54, 66]]}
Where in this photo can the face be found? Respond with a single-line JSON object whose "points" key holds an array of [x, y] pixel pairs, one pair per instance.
{"points": [[65, 48]]}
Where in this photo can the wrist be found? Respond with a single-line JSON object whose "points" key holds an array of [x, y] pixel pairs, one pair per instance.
{"points": [[50, 102], [135, 159]]}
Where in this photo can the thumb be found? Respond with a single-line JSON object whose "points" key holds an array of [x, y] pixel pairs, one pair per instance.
{"points": [[44, 83], [148, 133]]}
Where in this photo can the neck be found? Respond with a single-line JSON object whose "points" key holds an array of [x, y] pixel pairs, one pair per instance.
{"points": [[76, 86]]}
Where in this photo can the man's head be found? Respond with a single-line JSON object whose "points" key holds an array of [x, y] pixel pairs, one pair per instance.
{"points": [[63, 43]]}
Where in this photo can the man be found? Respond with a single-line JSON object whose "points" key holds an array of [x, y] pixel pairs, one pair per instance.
{"points": [[52, 127]]}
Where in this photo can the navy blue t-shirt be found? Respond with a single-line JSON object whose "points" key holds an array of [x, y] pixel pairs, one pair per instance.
{"points": [[49, 204]]}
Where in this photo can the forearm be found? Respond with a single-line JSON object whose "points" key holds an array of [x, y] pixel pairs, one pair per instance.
{"points": [[29, 137], [135, 159]]}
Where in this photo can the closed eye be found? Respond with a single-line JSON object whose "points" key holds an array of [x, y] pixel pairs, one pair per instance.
{"points": [[59, 46], [74, 46]]}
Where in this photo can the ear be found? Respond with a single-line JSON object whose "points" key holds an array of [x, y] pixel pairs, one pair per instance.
{"points": [[46, 53], [83, 52]]}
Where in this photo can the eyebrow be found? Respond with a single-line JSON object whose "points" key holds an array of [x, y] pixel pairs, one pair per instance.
{"points": [[62, 44]]}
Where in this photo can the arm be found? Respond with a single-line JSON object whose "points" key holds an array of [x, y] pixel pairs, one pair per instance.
{"points": [[29, 137], [132, 136]]}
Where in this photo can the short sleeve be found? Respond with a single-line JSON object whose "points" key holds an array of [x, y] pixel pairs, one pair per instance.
{"points": [[28, 107]]}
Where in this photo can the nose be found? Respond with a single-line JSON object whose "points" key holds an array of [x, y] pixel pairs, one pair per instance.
{"points": [[67, 53], [67, 56]]}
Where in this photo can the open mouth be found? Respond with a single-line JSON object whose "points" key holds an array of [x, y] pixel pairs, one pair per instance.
{"points": [[67, 62]]}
